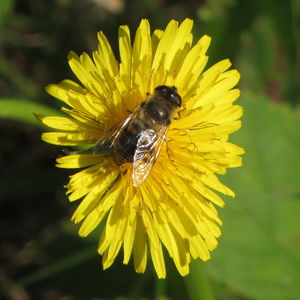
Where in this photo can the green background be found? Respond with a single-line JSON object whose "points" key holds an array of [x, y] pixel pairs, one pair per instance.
{"points": [[41, 256]]}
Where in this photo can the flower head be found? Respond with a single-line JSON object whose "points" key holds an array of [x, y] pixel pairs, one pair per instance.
{"points": [[174, 207]]}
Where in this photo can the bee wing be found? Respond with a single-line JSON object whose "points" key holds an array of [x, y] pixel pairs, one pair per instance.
{"points": [[105, 144], [147, 150]]}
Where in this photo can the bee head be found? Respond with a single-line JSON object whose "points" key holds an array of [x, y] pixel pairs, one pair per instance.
{"points": [[169, 93]]}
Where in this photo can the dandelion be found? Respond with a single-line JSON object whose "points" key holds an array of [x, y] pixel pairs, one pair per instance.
{"points": [[174, 208]]}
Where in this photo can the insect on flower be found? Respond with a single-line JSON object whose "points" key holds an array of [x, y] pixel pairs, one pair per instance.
{"points": [[156, 124], [138, 139]]}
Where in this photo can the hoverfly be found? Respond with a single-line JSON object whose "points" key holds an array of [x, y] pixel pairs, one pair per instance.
{"points": [[138, 139]]}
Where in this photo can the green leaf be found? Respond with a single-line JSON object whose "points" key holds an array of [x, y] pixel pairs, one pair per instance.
{"points": [[258, 253], [22, 110]]}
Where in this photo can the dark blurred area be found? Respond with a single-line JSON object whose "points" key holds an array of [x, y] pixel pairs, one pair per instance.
{"points": [[36, 36], [41, 256]]}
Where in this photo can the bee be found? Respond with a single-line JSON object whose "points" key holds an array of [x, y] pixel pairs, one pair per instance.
{"points": [[138, 139]]}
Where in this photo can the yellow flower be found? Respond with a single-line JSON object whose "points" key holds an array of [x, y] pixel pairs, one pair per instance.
{"points": [[174, 207]]}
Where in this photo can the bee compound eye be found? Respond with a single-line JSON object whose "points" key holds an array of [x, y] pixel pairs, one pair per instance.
{"points": [[162, 89]]}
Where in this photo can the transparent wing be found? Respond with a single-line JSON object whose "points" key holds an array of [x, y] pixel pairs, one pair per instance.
{"points": [[105, 144], [147, 150]]}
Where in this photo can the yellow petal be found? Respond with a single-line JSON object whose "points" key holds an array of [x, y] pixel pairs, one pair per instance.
{"points": [[104, 58], [80, 70], [62, 123], [79, 160], [181, 45], [69, 139], [60, 91], [182, 260], [125, 54], [91, 222], [165, 44], [129, 239], [140, 248], [96, 192]]}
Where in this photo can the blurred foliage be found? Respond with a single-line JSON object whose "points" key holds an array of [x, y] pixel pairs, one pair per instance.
{"points": [[22, 110], [41, 256], [259, 249]]}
